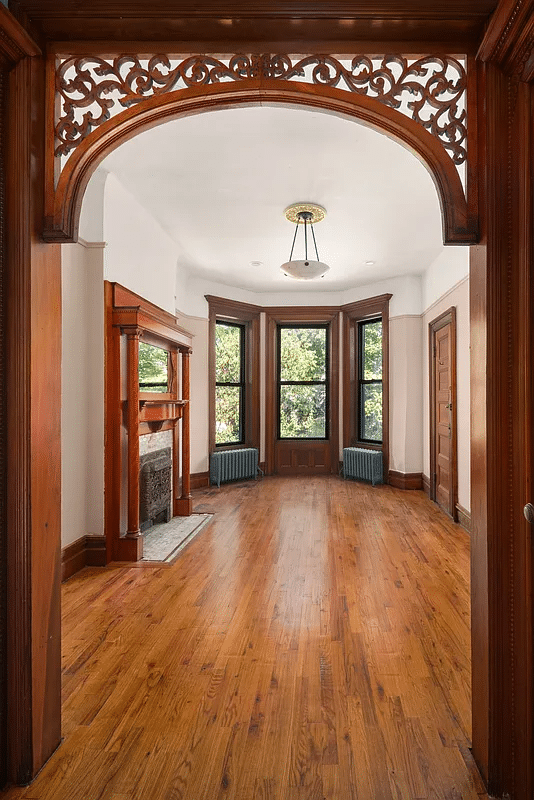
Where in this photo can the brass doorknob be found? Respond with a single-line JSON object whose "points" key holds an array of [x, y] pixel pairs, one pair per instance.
{"points": [[528, 511]]}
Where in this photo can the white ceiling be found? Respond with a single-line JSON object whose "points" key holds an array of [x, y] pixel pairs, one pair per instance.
{"points": [[218, 183]]}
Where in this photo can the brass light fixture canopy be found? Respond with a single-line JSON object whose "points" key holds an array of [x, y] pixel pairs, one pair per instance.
{"points": [[293, 212], [305, 269]]}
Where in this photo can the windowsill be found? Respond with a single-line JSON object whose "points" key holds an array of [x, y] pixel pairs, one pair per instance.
{"points": [[368, 445]]}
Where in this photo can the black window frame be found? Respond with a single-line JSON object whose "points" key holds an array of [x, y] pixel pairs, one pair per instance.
{"points": [[363, 382], [242, 384], [280, 383]]}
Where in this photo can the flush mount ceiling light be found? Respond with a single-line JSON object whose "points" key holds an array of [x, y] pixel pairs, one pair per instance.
{"points": [[304, 214]]}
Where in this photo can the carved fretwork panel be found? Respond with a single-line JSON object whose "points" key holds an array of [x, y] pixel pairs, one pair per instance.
{"points": [[430, 90]]}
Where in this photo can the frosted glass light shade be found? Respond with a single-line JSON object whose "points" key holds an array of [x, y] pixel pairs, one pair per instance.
{"points": [[304, 270]]}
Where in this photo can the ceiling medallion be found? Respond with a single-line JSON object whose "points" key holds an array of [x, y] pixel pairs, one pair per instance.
{"points": [[305, 214], [292, 213]]}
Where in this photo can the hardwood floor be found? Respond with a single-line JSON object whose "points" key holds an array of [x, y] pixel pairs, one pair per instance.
{"points": [[312, 642]]}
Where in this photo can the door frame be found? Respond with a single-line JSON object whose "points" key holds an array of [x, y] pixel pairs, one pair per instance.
{"points": [[448, 317]]}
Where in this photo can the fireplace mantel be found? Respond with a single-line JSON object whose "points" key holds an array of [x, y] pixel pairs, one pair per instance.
{"points": [[132, 412], [153, 413]]}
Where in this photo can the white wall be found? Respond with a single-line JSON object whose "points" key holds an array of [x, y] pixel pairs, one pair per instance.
{"points": [[82, 398], [405, 395], [139, 254], [457, 296]]}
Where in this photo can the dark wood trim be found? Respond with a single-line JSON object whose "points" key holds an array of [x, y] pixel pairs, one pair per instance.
{"points": [[448, 317], [63, 202], [502, 420], [405, 480], [386, 27], [318, 314], [200, 479], [15, 46], [15, 42], [33, 362], [426, 484], [95, 551], [233, 311], [352, 314], [508, 38], [463, 517], [72, 559], [3, 438], [89, 551]]}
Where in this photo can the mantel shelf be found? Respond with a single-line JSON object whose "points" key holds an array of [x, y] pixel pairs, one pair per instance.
{"points": [[160, 410], [156, 412], [155, 403]]}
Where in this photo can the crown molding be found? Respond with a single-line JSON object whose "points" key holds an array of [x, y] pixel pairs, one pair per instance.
{"points": [[15, 42], [509, 39]]}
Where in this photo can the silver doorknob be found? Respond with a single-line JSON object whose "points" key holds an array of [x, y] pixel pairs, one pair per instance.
{"points": [[528, 511]]}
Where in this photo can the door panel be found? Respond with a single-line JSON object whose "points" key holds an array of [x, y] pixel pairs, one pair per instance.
{"points": [[442, 416], [303, 457]]}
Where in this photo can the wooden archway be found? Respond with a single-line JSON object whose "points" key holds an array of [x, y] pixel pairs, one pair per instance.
{"points": [[63, 204]]}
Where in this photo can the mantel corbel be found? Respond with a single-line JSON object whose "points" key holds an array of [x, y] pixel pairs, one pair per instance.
{"points": [[132, 331]]}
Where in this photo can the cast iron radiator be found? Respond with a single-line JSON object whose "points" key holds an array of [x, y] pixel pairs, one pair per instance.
{"points": [[363, 464], [231, 465]]}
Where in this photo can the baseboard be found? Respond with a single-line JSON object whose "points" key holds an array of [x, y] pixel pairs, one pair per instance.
{"points": [[464, 517], [199, 480], [426, 484], [405, 480], [72, 558], [95, 551], [89, 551]]}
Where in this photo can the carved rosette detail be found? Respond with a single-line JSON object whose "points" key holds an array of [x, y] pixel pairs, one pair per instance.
{"points": [[430, 90]]}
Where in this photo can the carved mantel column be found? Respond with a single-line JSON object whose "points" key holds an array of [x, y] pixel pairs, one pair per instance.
{"points": [[184, 505], [133, 335]]}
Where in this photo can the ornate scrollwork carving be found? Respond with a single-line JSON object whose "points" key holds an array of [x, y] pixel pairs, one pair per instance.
{"points": [[430, 90]]}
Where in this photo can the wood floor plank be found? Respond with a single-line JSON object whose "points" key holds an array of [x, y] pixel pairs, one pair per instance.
{"points": [[311, 643]]}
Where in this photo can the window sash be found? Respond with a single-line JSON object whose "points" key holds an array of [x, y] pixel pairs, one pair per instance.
{"points": [[281, 382], [363, 382], [241, 384]]}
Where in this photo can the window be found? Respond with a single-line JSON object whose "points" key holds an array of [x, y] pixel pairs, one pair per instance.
{"points": [[234, 373], [229, 383], [302, 381], [370, 381]]}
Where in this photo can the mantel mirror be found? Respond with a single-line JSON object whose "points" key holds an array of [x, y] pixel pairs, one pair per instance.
{"points": [[155, 369]]}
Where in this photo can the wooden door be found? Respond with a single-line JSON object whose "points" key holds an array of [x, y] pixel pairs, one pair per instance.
{"points": [[442, 411]]}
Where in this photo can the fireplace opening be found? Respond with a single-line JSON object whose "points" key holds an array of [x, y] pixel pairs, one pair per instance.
{"points": [[155, 489]]}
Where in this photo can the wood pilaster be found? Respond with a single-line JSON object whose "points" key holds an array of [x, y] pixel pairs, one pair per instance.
{"points": [[132, 339], [184, 505], [502, 397], [34, 445]]}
